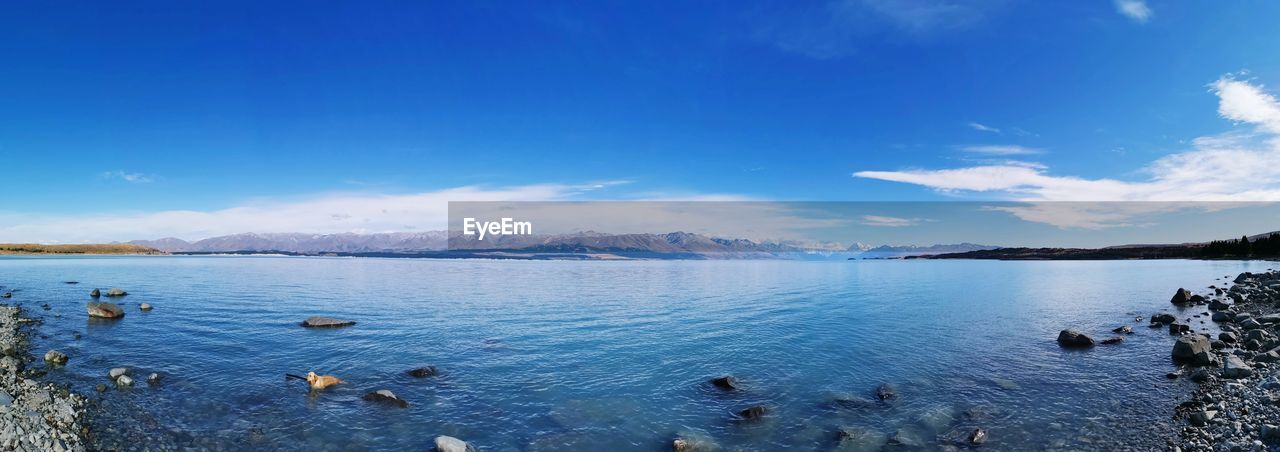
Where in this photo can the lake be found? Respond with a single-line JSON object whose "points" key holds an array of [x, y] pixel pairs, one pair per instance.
{"points": [[598, 355]]}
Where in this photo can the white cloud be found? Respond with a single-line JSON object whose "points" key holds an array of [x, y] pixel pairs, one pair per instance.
{"points": [[333, 213], [1002, 149], [133, 178], [983, 127], [1237, 166], [1134, 9], [889, 222]]}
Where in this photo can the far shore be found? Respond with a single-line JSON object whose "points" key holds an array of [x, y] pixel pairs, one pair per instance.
{"points": [[108, 248]]}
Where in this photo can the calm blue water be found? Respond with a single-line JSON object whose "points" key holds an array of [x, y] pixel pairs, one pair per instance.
{"points": [[552, 355]]}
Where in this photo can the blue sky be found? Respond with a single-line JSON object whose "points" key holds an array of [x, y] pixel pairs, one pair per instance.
{"points": [[153, 116]]}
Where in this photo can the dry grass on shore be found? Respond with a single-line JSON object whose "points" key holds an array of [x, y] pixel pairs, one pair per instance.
{"points": [[108, 248]]}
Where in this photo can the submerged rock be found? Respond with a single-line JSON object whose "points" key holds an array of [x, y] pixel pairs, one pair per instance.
{"points": [[423, 372], [451, 444], [387, 397], [754, 412], [117, 372], [144, 307], [886, 392], [325, 322], [1112, 340], [105, 310], [1123, 330], [727, 382], [55, 357], [977, 437], [1074, 339], [693, 444], [859, 439]]}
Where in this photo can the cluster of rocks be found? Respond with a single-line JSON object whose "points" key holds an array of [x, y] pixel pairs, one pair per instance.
{"points": [[1236, 405], [34, 416], [938, 428]]}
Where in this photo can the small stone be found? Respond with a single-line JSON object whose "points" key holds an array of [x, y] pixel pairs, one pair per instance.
{"points": [[101, 387], [113, 292], [153, 378], [1074, 339], [124, 380], [96, 293], [117, 372], [978, 436], [105, 310], [144, 307], [1123, 330], [1113, 340]]}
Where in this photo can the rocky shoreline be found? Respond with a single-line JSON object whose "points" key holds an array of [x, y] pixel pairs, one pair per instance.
{"points": [[1236, 405], [33, 415]]}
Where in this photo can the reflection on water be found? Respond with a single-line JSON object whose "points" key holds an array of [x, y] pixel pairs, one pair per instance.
{"points": [[613, 355]]}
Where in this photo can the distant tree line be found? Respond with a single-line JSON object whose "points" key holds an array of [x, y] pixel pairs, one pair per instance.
{"points": [[1268, 246]]}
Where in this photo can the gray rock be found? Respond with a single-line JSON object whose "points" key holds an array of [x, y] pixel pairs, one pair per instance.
{"points": [[1249, 324], [1193, 349], [385, 396], [1123, 330], [105, 310], [1234, 367], [1202, 418], [1221, 317], [1228, 337], [117, 372], [451, 444], [1074, 339], [114, 292], [153, 378], [5, 398], [124, 380], [1269, 433], [1179, 328], [693, 444], [144, 307], [96, 293], [1164, 318], [1218, 305], [325, 322], [1112, 340], [55, 357]]}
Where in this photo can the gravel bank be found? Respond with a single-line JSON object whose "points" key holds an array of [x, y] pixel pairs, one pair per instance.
{"points": [[33, 416], [1236, 406]]}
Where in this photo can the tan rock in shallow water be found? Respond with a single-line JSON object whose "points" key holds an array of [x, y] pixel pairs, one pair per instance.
{"points": [[325, 322], [105, 310]]}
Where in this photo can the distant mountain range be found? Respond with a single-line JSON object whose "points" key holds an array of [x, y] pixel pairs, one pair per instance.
{"points": [[674, 243], [914, 250]]}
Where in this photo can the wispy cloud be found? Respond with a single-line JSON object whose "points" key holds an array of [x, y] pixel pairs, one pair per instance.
{"points": [[1134, 9], [1236, 166], [133, 178], [1002, 149], [983, 127], [890, 222]]}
